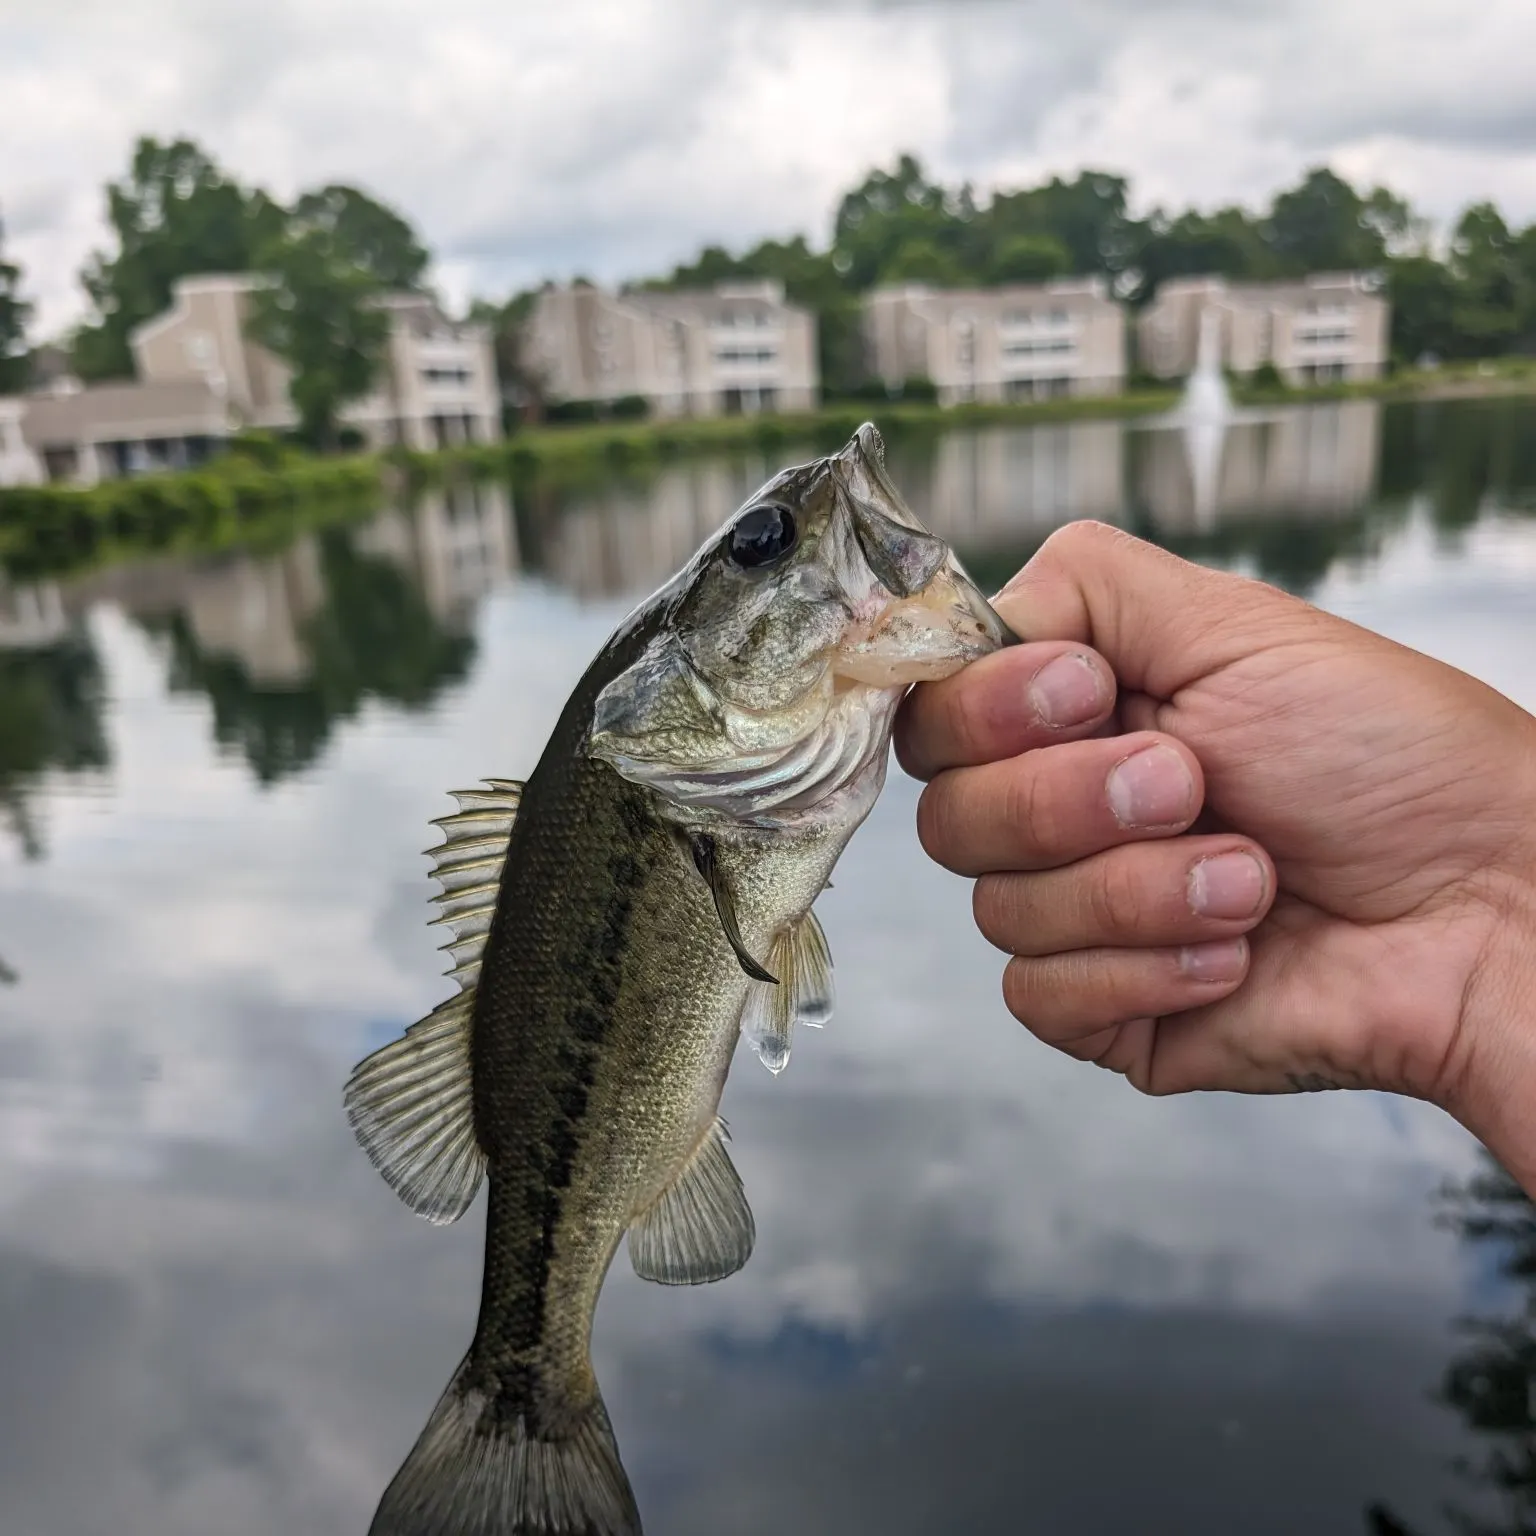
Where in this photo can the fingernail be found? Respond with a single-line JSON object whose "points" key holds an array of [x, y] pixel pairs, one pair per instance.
{"points": [[1226, 885], [1151, 789], [1067, 691], [1222, 961]]}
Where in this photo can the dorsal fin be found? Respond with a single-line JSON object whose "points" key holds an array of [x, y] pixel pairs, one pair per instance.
{"points": [[805, 993], [410, 1104], [467, 864]]}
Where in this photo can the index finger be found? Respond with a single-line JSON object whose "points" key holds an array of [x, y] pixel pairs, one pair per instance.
{"points": [[1027, 696]]}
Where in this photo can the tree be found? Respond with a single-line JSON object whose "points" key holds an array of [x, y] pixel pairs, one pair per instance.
{"points": [[174, 214], [892, 209], [369, 235], [1422, 293], [1029, 259], [1489, 292], [1229, 243], [1324, 225], [317, 312], [1087, 215], [14, 314], [521, 384]]}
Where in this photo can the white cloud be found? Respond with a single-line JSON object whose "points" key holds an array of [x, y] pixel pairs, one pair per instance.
{"points": [[613, 138]]}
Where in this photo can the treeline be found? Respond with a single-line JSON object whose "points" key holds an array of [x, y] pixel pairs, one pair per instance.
{"points": [[1478, 299], [176, 213]]}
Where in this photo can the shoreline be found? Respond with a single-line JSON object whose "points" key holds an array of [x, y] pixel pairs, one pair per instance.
{"points": [[248, 497]]}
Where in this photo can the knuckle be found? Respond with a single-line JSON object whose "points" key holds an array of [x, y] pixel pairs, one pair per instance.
{"points": [[995, 909], [1030, 804], [1115, 899]]}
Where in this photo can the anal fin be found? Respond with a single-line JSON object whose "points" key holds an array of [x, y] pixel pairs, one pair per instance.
{"points": [[701, 1228], [805, 994]]}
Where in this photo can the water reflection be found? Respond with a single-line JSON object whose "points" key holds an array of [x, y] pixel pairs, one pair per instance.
{"points": [[991, 1291]]}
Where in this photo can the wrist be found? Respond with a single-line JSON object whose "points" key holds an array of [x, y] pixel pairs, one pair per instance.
{"points": [[1492, 1090]]}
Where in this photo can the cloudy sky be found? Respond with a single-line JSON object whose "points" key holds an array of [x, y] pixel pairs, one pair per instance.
{"points": [[612, 137]]}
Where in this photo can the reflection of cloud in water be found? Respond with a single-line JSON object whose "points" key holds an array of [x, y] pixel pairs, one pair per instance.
{"points": [[992, 1289], [976, 1260]]}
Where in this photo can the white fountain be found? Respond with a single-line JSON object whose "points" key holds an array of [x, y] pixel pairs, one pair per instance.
{"points": [[1204, 414]]}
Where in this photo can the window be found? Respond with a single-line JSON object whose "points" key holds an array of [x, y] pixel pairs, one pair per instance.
{"points": [[1053, 345], [745, 352], [445, 375]]}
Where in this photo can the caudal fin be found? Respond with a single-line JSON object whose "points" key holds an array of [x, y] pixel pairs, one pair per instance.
{"points": [[477, 1472]]}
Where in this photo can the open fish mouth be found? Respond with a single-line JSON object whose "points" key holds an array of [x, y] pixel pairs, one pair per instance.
{"points": [[925, 637]]}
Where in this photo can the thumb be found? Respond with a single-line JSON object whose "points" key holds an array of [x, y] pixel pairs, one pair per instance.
{"points": [[1160, 622]]}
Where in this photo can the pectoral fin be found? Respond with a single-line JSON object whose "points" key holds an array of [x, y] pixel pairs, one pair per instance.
{"points": [[805, 994], [704, 860], [701, 1228]]}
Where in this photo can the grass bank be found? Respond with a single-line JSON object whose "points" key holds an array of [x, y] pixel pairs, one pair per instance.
{"points": [[233, 500], [543, 449]]}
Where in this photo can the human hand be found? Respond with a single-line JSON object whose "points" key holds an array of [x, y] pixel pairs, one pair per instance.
{"points": [[1291, 855]]}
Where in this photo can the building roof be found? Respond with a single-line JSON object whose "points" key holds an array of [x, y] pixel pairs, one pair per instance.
{"points": [[103, 413], [711, 306]]}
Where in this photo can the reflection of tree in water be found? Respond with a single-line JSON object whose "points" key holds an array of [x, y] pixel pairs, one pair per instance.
{"points": [[50, 717], [374, 637], [1492, 1382]]}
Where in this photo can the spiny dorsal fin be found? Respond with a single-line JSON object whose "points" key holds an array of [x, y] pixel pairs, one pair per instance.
{"points": [[410, 1106], [410, 1103], [805, 993], [725, 909], [467, 864], [701, 1228]]}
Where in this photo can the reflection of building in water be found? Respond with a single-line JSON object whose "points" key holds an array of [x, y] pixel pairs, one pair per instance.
{"points": [[457, 539], [1313, 459], [31, 615], [255, 611], [988, 488], [631, 539]]}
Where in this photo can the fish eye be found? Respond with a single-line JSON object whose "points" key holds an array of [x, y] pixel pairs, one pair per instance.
{"points": [[761, 535]]}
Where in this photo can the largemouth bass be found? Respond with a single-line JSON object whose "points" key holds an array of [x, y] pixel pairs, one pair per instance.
{"points": [[619, 919]]}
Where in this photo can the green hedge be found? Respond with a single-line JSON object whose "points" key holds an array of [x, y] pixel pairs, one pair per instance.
{"points": [[51, 527]]}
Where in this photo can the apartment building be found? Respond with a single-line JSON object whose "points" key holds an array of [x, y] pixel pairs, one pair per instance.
{"points": [[738, 347], [436, 387], [1023, 342], [1327, 326], [82, 434]]}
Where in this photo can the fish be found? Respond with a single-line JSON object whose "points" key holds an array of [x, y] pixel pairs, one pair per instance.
{"points": [[620, 919]]}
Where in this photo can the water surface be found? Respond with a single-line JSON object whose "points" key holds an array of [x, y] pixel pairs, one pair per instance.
{"points": [[993, 1290]]}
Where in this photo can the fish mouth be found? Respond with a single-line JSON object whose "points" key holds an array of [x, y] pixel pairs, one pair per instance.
{"points": [[929, 635]]}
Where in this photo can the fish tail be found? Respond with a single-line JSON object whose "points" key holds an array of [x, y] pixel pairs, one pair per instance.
{"points": [[476, 1470]]}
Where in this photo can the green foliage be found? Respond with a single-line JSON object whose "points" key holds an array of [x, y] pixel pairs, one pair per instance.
{"points": [[1029, 259], [365, 234], [47, 528], [1266, 377], [14, 314], [1422, 292], [1324, 225], [174, 214], [318, 315]]}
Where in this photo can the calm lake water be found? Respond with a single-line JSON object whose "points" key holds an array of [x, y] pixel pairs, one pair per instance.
{"points": [[993, 1291]]}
